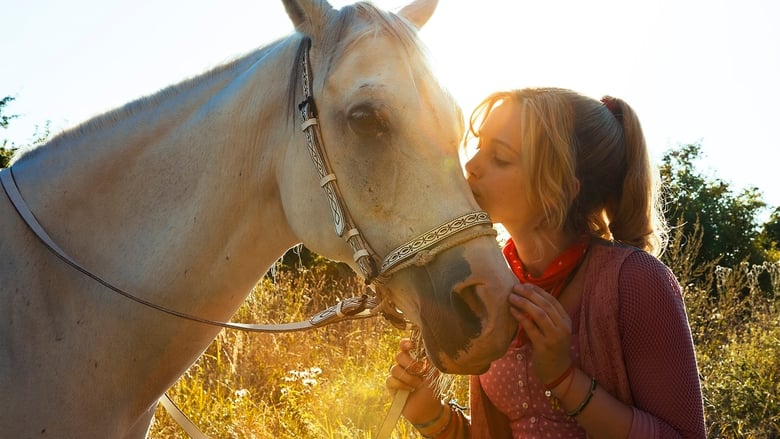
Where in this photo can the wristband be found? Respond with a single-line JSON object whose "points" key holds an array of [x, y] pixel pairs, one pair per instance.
{"points": [[560, 379], [584, 403]]}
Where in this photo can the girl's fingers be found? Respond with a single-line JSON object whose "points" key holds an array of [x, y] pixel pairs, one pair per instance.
{"points": [[546, 324], [542, 317], [537, 303], [532, 330], [411, 366], [530, 315], [394, 384]]}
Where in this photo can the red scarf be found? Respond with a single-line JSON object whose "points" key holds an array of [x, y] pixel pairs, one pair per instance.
{"points": [[556, 276], [560, 271]]}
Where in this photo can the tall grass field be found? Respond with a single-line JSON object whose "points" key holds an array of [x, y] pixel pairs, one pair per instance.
{"points": [[329, 382]]}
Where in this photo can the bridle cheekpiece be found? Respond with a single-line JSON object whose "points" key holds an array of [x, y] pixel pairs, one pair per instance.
{"points": [[418, 251]]}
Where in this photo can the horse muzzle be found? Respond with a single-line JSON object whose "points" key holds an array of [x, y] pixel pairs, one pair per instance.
{"points": [[459, 301]]}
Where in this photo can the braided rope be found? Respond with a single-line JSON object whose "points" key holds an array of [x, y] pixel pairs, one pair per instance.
{"points": [[426, 255]]}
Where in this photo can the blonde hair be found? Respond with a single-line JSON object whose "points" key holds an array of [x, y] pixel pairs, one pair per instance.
{"points": [[587, 163]]}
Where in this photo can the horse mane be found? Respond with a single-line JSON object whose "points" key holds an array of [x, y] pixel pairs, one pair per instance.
{"points": [[139, 105]]}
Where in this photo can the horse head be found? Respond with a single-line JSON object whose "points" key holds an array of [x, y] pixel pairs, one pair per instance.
{"points": [[391, 135]]}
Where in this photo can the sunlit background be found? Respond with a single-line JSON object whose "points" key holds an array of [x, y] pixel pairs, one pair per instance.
{"points": [[695, 70]]}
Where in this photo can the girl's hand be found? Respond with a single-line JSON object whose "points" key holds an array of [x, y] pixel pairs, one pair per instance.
{"points": [[546, 325], [417, 377]]}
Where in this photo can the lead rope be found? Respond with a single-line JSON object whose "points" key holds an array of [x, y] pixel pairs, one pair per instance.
{"points": [[347, 309], [402, 395], [184, 422], [392, 416]]}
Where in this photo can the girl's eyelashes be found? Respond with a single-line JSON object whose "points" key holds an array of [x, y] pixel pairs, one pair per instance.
{"points": [[500, 162], [492, 152]]}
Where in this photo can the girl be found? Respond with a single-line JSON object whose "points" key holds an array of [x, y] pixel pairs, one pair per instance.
{"points": [[603, 346]]}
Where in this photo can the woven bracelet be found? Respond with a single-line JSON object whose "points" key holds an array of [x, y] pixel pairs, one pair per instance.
{"points": [[443, 429], [557, 382], [579, 409], [432, 421]]}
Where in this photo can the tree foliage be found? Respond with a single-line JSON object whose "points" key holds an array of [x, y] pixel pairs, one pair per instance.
{"points": [[4, 118], [6, 155], [770, 236], [729, 221], [6, 150]]}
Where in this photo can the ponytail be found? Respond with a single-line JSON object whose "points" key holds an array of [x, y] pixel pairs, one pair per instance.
{"points": [[636, 216]]}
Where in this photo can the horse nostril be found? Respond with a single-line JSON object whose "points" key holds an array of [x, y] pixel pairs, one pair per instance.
{"points": [[469, 305]]}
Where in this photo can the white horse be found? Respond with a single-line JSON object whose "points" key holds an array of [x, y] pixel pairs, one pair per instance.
{"points": [[185, 198]]}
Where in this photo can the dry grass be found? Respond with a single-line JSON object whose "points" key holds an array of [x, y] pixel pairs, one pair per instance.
{"points": [[329, 383], [323, 383]]}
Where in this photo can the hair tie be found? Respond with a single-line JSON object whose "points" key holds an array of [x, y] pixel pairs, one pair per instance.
{"points": [[612, 105]]}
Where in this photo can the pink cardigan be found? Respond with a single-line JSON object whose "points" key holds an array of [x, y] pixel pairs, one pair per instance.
{"points": [[635, 340]]}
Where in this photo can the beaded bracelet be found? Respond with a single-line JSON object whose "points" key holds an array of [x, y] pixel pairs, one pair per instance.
{"points": [[579, 409]]}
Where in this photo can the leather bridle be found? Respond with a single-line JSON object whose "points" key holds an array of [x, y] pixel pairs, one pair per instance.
{"points": [[418, 251]]}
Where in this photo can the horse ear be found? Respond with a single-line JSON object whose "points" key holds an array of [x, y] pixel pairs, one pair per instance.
{"points": [[419, 11], [308, 16]]}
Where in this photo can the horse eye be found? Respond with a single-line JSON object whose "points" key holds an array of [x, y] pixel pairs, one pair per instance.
{"points": [[366, 120]]}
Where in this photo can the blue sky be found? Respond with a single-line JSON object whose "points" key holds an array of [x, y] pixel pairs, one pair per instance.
{"points": [[694, 70]]}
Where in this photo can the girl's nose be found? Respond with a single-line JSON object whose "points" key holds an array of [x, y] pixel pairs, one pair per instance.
{"points": [[471, 166]]}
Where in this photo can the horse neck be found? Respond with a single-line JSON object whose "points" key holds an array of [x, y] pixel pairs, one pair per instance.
{"points": [[174, 184]]}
